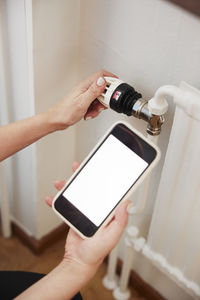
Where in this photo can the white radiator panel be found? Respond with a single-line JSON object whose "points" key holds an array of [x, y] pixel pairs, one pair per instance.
{"points": [[175, 227]]}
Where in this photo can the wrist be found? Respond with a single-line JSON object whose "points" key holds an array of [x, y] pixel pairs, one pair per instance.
{"points": [[63, 282], [55, 119], [84, 271], [52, 121]]}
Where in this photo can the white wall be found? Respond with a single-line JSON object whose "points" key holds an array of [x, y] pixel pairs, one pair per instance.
{"points": [[148, 44]]}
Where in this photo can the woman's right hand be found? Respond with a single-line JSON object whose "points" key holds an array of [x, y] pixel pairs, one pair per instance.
{"points": [[79, 102]]}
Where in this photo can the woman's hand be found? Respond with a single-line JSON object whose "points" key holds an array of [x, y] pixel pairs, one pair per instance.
{"points": [[91, 252], [81, 258], [80, 102]]}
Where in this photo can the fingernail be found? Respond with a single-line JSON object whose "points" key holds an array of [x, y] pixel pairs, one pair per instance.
{"points": [[88, 118], [100, 81]]}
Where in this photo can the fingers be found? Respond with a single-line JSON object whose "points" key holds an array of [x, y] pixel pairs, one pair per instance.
{"points": [[121, 215], [94, 109], [94, 77], [75, 165], [116, 227], [94, 90], [59, 184], [49, 200], [95, 85]]}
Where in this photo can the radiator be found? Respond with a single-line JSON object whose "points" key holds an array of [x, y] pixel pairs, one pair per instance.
{"points": [[173, 242], [174, 237]]}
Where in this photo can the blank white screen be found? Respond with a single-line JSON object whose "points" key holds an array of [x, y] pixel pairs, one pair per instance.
{"points": [[105, 179]]}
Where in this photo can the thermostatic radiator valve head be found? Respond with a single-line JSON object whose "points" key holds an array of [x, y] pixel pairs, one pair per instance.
{"points": [[119, 96], [123, 98]]}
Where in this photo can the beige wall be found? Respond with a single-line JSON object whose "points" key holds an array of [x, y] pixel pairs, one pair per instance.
{"points": [[22, 173], [56, 56], [146, 43], [43, 54]]}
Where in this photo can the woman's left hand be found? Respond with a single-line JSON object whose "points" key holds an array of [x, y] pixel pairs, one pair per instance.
{"points": [[91, 252]]}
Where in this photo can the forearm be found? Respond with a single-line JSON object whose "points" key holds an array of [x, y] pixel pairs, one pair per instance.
{"points": [[61, 284], [18, 135], [68, 111]]}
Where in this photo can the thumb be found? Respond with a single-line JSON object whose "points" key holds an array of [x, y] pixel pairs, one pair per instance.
{"points": [[115, 228], [95, 90]]}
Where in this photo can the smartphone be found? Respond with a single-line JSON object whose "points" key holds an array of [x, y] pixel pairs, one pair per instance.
{"points": [[111, 172]]}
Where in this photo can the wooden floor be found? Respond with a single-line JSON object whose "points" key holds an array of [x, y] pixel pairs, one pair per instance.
{"points": [[15, 256]]}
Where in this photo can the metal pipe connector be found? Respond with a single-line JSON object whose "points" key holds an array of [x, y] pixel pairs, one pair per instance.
{"points": [[140, 110]]}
